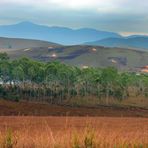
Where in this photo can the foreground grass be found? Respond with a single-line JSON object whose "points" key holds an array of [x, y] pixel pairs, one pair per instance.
{"points": [[73, 132]]}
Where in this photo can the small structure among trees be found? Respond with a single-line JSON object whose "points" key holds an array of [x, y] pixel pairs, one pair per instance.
{"points": [[145, 69]]}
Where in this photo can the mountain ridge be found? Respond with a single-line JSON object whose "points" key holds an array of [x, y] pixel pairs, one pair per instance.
{"points": [[136, 42], [61, 35]]}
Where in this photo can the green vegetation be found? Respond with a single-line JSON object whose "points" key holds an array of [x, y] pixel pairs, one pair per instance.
{"points": [[55, 82], [81, 55], [8, 140]]}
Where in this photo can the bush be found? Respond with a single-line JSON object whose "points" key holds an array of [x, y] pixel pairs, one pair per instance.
{"points": [[89, 141], [75, 141], [9, 140]]}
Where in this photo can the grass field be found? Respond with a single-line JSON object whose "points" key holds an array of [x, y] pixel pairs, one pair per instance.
{"points": [[40, 125], [73, 132]]}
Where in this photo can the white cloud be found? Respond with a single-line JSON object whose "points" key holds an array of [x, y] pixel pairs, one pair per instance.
{"points": [[112, 15], [64, 4], [68, 4], [97, 5], [76, 4]]}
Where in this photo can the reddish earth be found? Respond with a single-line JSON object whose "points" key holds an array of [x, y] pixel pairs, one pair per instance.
{"points": [[50, 128], [8, 108]]}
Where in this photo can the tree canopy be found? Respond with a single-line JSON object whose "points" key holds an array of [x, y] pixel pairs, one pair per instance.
{"points": [[54, 82]]}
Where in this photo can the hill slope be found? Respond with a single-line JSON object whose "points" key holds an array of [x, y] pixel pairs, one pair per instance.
{"points": [[61, 35], [140, 42], [14, 43], [82, 56]]}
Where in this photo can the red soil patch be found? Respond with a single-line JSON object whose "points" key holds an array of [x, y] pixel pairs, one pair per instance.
{"points": [[9, 108]]}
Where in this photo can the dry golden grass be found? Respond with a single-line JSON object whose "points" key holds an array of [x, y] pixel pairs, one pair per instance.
{"points": [[73, 132]]}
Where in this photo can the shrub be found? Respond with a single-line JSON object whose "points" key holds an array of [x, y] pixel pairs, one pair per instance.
{"points": [[89, 141], [9, 142], [75, 141]]}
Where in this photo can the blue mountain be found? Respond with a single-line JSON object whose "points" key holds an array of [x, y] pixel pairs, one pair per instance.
{"points": [[135, 41], [61, 35]]}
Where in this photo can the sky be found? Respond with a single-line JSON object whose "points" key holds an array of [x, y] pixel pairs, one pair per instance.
{"points": [[122, 16]]}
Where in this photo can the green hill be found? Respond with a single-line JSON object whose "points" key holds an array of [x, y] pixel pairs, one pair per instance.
{"points": [[84, 56]]}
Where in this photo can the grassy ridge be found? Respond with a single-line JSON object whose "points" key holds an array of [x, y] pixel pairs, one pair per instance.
{"points": [[86, 55], [16, 43]]}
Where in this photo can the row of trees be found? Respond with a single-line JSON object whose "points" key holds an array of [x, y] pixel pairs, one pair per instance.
{"points": [[54, 82]]}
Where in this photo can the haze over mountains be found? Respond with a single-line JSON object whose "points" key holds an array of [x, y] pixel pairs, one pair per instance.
{"points": [[61, 35], [67, 36], [137, 42], [83, 46]]}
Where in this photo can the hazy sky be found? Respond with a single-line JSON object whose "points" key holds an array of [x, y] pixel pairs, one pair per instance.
{"points": [[124, 16]]}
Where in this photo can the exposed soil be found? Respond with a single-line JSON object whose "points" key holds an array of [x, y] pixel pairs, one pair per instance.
{"points": [[8, 108]]}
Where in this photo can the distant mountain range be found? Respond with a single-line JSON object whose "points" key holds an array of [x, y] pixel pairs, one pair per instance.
{"points": [[61, 35], [67, 36], [138, 42]]}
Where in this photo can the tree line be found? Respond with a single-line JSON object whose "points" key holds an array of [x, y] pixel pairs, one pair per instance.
{"points": [[55, 82]]}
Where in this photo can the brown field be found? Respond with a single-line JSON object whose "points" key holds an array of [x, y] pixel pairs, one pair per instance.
{"points": [[8, 108], [41, 125], [73, 132]]}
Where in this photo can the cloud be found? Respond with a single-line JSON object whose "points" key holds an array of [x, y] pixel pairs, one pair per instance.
{"points": [[102, 6], [112, 15], [69, 4]]}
